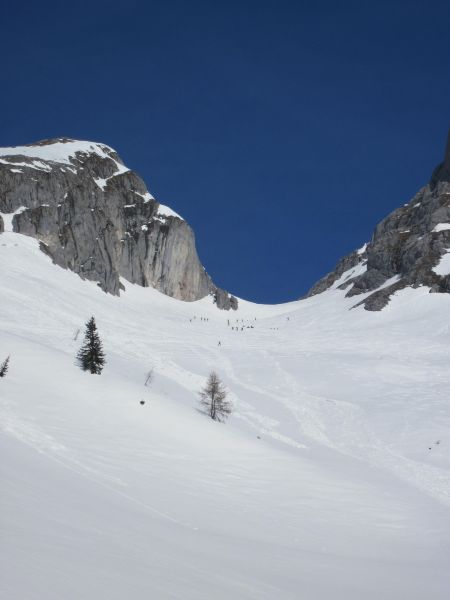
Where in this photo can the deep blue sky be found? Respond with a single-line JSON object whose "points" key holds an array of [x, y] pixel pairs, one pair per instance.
{"points": [[282, 131]]}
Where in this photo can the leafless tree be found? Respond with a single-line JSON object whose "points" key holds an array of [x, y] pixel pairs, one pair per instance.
{"points": [[149, 377], [213, 399]]}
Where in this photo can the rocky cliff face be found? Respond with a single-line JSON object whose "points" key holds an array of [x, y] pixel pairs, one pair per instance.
{"points": [[408, 248], [95, 216]]}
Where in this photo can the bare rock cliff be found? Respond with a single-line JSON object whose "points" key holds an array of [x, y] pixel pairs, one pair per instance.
{"points": [[96, 217], [406, 248]]}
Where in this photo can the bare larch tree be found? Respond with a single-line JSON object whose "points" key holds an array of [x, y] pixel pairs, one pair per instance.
{"points": [[213, 399]]}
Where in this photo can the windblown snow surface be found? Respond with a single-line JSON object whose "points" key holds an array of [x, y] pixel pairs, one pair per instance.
{"points": [[61, 152], [331, 480]]}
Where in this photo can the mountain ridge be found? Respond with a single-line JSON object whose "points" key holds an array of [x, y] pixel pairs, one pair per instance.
{"points": [[95, 216], [408, 248]]}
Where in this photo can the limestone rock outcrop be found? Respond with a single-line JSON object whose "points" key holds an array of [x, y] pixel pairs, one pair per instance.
{"points": [[406, 248], [96, 217]]}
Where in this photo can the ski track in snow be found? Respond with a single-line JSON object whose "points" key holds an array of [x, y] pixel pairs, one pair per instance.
{"points": [[335, 412]]}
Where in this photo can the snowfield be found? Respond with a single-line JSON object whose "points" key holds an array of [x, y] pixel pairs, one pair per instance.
{"points": [[330, 481], [62, 152]]}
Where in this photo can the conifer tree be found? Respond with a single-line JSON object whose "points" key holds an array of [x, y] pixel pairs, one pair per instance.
{"points": [[91, 356], [213, 399], [4, 367]]}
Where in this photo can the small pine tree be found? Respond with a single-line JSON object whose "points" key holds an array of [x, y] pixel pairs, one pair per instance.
{"points": [[4, 367], [213, 399], [91, 356]]}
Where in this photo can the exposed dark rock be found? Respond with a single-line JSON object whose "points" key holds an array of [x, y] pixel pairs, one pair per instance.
{"points": [[344, 265], [94, 216], [224, 300], [404, 249], [442, 171]]}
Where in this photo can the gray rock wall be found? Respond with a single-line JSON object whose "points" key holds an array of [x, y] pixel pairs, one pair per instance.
{"points": [[404, 247], [95, 217]]}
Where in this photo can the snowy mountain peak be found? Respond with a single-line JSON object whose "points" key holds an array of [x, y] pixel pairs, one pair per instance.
{"points": [[95, 216], [409, 248], [63, 153], [59, 150]]}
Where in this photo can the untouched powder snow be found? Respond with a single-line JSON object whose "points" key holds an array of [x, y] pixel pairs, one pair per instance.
{"points": [[59, 151], [331, 479]]}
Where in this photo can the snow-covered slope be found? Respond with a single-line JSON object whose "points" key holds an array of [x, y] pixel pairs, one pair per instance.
{"points": [[330, 480]]}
